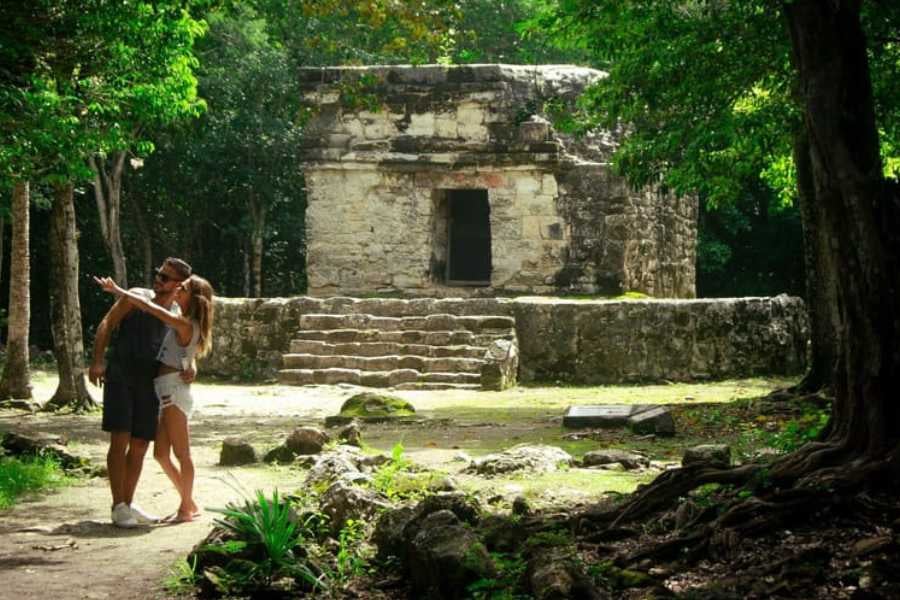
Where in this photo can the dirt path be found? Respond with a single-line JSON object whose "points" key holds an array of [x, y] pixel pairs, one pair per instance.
{"points": [[61, 544]]}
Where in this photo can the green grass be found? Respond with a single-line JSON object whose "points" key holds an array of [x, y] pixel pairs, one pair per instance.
{"points": [[20, 477]]}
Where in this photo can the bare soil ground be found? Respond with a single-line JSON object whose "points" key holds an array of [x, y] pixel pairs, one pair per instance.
{"points": [[62, 545]]}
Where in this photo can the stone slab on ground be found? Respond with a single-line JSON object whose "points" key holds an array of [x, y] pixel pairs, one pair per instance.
{"points": [[618, 415]]}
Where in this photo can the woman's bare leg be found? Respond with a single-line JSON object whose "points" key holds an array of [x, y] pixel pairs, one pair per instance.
{"points": [[176, 425], [162, 452]]}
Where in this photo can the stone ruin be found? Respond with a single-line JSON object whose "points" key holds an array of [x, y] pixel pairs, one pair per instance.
{"points": [[437, 181]]}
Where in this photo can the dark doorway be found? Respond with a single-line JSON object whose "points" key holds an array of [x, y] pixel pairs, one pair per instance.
{"points": [[469, 238]]}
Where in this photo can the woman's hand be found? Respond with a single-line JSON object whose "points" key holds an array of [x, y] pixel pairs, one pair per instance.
{"points": [[109, 285]]}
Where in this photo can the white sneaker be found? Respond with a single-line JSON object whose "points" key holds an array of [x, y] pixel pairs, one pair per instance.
{"points": [[142, 516], [122, 516]]}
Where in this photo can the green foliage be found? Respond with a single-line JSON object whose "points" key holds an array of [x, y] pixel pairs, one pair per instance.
{"points": [[726, 138], [794, 433], [385, 478], [27, 475], [510, 571], [271, 530], [182, 577], [616, 578], [360, 93], [549, 539], [351, 558], [487, 31]]}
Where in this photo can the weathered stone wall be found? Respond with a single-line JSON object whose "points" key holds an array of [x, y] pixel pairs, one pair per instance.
{"points": [[559, 340], [386, 142]]}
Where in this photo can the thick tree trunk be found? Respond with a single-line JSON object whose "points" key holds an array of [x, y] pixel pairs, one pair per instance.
{"points": [[15, 382], [820, 287], [108, 194], [65, 309], [2, 244], [140, 220], [853, 203]]}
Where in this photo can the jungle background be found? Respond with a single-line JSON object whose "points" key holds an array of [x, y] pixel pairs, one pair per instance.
{"points": [[216, 180]]}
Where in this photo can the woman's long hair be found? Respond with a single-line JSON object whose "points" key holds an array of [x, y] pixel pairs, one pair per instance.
{"points": [[200, 309]]}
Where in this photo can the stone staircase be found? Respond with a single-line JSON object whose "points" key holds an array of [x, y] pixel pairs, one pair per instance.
{"points": [[438, 351]]}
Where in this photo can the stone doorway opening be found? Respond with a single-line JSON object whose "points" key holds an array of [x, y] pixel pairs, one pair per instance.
{"points": [[468, 250]]}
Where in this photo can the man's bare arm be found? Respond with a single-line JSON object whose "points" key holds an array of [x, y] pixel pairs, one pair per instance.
{"points": [[114, 316]]}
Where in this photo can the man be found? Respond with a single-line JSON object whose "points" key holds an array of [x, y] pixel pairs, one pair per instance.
{"points": [[130, 405]]}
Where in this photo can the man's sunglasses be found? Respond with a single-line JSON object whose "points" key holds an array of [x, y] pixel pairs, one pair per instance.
{"points": [[163, 278]]}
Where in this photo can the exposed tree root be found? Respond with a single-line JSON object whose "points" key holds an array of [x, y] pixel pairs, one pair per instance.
{"points": [[820, 479], [671, 485]]}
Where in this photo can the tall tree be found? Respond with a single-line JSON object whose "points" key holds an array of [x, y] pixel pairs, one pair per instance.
{"points": [[851, 209], [705, 135], [81, 70], [65, 306], [15, 381]]}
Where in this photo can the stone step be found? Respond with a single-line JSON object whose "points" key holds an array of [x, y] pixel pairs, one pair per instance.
{"points": [[425, 386], [385, 349], [439, 322], [383, 363], [390, 378], [415, 336]]}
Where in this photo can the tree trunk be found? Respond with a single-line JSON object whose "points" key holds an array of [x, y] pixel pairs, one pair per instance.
{"points": [[15, 382], [820, 287], [2, 243], [65, 310], [108, 194], [140, 220], [246, 280], [257, 232], [857, 213]]}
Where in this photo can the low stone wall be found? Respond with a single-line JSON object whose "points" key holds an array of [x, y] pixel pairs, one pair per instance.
{"points": [[572, 341]]}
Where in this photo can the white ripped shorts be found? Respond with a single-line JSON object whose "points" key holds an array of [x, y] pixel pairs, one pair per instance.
{"points": [[172, 391]]}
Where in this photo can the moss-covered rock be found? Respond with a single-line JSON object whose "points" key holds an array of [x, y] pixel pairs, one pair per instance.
{"points": [[371, 404]]}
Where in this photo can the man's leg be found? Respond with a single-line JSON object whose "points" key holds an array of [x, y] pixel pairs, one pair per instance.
{"points": [[116, 464], [134, 463]]}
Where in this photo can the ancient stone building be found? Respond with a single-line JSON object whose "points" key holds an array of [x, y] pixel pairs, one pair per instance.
{"points": [[448, 181]]}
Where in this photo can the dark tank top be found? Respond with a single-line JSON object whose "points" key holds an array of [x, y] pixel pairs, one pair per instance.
{"points": [[134, 347]]}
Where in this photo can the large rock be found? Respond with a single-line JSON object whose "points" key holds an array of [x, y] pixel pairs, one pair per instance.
{"points": [[371, 407], [707, 455], [236, 452], [306, 440], [396, 529], [629, 460], [501, 365], [445, 557], [342, 502], [556, 574], [656, 420], [538, 459], [342, 462], [351, 435], [18, 445]]}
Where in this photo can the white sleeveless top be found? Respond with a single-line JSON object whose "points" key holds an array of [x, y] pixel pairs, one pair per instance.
{"points": [[173, 354]]}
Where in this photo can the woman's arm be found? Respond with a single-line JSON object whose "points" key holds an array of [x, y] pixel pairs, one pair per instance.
{"points": [[181, 325]]}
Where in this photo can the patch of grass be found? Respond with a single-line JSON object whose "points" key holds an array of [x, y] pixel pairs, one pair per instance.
{"points": [[543, 401], [182, 578], [22, 476], [574, 483]]}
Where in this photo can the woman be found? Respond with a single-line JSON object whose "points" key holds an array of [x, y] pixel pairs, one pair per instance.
{"points": [[189, 335]]}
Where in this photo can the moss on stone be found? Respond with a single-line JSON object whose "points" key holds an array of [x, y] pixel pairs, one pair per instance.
{"points": [[371, 404]]}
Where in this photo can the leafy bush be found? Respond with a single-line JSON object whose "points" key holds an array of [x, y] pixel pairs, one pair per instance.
{"points": [[20, 476], [267, 533]]}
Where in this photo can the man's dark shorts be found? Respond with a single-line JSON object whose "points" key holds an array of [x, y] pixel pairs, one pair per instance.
{"points": [[130, 404]]}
